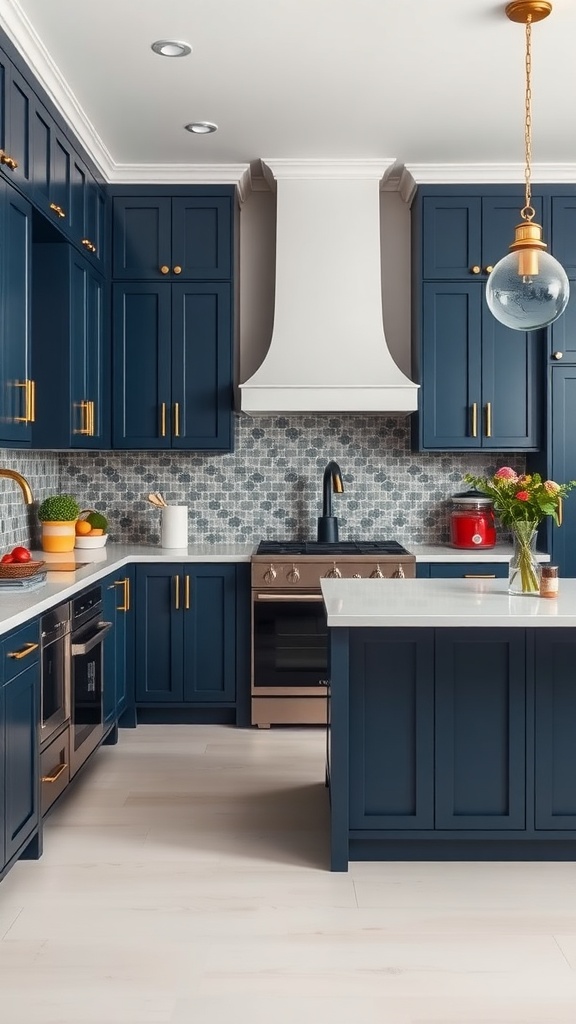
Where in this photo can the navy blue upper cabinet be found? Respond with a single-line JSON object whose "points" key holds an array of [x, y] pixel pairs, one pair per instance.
{"points": [[17, 387], [563, 248], [16, 106], [481, 382], [181, 238], [70, 350], [562, 463], [52, 158], [172, 371]]}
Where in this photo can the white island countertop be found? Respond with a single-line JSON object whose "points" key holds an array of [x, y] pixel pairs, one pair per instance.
{"points": [[444, 602], [446, 553]]}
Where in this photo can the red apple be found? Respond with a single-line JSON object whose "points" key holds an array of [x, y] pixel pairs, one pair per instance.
{"points": [[20, 554]]}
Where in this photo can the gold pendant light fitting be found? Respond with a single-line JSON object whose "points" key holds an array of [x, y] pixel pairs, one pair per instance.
{"points": [[522, 10]]}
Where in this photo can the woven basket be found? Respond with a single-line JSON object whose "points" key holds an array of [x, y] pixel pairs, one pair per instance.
{"points": [[19, 570]]}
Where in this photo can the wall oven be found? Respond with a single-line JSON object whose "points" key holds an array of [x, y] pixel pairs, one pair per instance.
{"points": [[289, 631], [54, 671], [86, 676]]}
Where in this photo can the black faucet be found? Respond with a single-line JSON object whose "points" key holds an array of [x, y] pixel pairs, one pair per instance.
{"points": [[327, 523]]}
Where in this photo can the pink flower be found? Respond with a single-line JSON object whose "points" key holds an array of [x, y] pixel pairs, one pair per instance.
{"points": [[551, 487], [506, 473], [522, 496]]}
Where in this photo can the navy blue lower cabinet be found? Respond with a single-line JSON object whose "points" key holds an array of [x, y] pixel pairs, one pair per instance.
{"points": [[555, 729], [392, 729], [20, 712], [480, 729], [468, 570], [2, 784], [185, 634], [118, 645]]}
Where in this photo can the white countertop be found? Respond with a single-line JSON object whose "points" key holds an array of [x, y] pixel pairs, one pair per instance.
{"points": [[16, 608], [443, 602], [446, 553]]}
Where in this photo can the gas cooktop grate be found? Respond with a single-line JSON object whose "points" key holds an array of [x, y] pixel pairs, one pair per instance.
{"points": [[374, 547]]}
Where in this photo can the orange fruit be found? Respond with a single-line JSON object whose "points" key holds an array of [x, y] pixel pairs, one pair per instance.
{"points": [[95, 532], [82, 528]]}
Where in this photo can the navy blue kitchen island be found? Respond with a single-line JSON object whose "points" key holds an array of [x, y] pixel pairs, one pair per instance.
{"points": [[452, 729]]}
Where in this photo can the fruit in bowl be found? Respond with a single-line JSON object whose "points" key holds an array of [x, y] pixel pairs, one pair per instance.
{"points": [[91, 529]]}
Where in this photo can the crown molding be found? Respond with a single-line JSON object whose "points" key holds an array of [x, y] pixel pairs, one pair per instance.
{"points": [[493, 173], [184, 174], [30, 46]]}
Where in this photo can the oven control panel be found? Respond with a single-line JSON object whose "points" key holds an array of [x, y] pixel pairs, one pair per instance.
{"points": [[307, 574]]}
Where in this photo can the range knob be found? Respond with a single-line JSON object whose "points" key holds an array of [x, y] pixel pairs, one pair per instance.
{"points": [[356, 576], [399, 573], [377, 574], [294, 575], [270, 575], [333, 573]]}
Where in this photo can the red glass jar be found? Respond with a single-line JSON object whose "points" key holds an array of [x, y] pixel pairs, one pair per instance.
{"points": [[472, 521]]}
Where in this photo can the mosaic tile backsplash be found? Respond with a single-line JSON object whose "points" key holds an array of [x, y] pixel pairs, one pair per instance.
{"points": [[270, 486]]}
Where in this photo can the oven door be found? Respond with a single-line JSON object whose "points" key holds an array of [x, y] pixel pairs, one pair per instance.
{"points": [[87, 684], [289, 644], [54, 685]]}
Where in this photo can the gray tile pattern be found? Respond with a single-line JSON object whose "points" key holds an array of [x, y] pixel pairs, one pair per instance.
{"points": [[19, 523]]}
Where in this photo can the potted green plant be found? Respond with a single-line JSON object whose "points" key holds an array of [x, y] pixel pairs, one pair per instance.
{"points": [[58, 514]]}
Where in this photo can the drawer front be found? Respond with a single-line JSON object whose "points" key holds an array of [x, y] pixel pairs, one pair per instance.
{"points": [[20, 650], [471, 570], [54, 770]]}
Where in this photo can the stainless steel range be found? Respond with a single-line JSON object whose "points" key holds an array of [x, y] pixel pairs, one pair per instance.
{"points": [[289, 632]]}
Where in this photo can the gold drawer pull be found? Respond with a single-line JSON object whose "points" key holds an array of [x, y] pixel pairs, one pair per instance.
{"points": [[163, 419], [488, 419], [177, 593], [125, 607], [84, 418], [187, 593], [59, 769], [57, 210], [8, 161], [176, 419], [23, 652], [479, 576], [474, 427], [88, 245]]}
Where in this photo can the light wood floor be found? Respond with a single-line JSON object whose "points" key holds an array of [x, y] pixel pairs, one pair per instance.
{"points": [[185, 881]]}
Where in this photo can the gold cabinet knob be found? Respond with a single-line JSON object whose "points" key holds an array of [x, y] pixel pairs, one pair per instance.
{"points": [[557, 355], [488, 269], [88, 245], [8, 160], [164, 269], [177, 269], [475, 269]]}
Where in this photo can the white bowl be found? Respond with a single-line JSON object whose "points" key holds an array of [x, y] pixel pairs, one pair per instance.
{"points": [[91, 542]]}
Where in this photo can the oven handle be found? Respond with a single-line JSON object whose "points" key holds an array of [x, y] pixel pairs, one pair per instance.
{"points": [[288, 597], [96, 638]]}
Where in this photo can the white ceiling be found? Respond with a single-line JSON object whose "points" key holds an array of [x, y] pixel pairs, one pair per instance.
{"points": [[425, 82]]}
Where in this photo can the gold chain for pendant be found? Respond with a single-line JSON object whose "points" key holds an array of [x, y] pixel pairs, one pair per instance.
{"points": [[528, 212]]}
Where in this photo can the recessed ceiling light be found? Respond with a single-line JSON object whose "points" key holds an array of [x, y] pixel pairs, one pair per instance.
{"points": [[171, 48], [201, 127]]}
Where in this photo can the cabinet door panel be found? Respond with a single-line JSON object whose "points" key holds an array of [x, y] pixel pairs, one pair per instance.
{"points": [[17, 342], [555, 727], [20, 101], [480, 729], [42, 126], [159, 634], [61, 184], [141, 238], [510, 383], [563, 466], [97, 363], [451, 236], [21, 758], [210, 634], [451, 364], [201, 365], [201, 238], [142, 354], [392, 729], [2, 785]]}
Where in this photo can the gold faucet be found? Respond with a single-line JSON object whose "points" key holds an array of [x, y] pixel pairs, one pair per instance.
{"points": [[22, 483]]}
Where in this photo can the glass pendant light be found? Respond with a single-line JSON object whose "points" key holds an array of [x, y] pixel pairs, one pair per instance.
{"points": [[528, 288]]}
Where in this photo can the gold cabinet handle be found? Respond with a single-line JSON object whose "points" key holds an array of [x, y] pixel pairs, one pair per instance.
{"points": [[84, 427], [23, 652], [557, 355], [176, 419], [488, 269], [474, 419], [58, 210], [8, 161], [187, 593], [475, 269], [29, 401], [479, 576], [88, 245], [125, 607], [59, 769], [164, 269], [91, 418], [163, 419], [32, 384], [560, 511], [177, 593], [488, 431], [177, 269]]}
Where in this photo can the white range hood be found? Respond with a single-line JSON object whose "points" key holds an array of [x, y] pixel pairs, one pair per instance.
{"points": [[328, 351]]}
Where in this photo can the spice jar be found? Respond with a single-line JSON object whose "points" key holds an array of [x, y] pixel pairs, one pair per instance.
{"points": [[472, 521], [549, 581]]}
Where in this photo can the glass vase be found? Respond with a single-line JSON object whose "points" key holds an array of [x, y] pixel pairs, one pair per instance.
{"points": [[524, 571]]}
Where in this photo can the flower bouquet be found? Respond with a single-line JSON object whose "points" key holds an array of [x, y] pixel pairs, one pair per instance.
{"points": [[521, 503]]}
